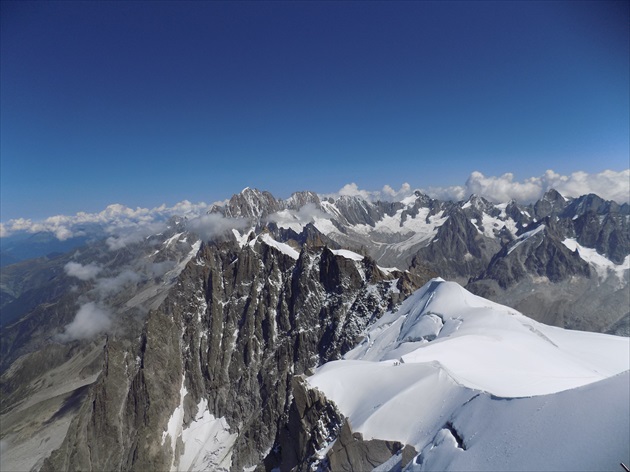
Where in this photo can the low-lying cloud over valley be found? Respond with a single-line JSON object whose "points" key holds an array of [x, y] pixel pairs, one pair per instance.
{"points": [[91, 319]]}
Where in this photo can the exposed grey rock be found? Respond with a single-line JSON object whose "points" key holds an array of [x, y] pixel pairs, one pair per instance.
{"points": [[312, 423], [351, 453], [609, 234], [621, 327], [551, 204], [458, 249], [574, 303], [252, 203], [357, 211], [309, 237], [540, 255], [592, 203], [298, 199], [424, 201]]}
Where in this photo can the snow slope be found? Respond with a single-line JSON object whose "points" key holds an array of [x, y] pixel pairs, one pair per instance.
{"points": [[603, 266], [207, 442], [473, 385], [584, 429]]}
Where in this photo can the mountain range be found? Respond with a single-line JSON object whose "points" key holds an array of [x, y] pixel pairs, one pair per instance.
{"points": [[320, 333]]}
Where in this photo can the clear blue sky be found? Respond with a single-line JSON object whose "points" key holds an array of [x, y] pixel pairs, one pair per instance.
{"points": [[148, 103]]}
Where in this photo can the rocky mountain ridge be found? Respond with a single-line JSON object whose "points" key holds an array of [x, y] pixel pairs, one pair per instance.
{"points": [[238, 325], [477, 243]]}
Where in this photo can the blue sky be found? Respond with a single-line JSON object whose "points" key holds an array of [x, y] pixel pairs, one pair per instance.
{"points": [[148, 103]]}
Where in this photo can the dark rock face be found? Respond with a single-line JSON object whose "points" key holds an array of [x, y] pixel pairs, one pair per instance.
{"points": [[458, 249], [313, 422], [357, 211], [256, 205], [621, 327], [299, 199], [551, 204], [311, 237], [609, 234], [542, 278], [250, 203], [592, 203], [352, 453], [236, 328], [542, 255]]}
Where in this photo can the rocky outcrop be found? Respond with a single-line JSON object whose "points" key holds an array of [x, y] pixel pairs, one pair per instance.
{"points": [[621, 327], [316, 425], [458, 249], [257, 205], [250, 203], [299, 199], [351, 453], [357, 211], [313, 422], [609, 234], [551, 204], [542, 278], [541, 255]]}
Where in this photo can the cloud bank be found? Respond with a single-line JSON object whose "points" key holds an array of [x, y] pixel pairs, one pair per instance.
{"points": [[133, 234], [610, 185], [116, 219], [387, 193]]}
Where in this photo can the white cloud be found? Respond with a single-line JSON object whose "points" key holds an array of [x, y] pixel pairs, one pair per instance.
{"points": [[132, 234], [404, 191], [352, 190], [387, 193], [307, 214], [82, 272], [111, 285], [113, 219], [610, 185], [158, 269], [214, 224], [90, 320]]}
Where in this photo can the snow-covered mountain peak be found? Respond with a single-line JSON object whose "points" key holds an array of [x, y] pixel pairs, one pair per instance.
{"points": [[489, 347], [299, 199], [435, 375], [477, 202], [251, 203], [552, 195]]}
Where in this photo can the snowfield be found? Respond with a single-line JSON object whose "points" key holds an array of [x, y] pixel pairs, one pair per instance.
{"points": [[603, 266], [474, 385]]}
